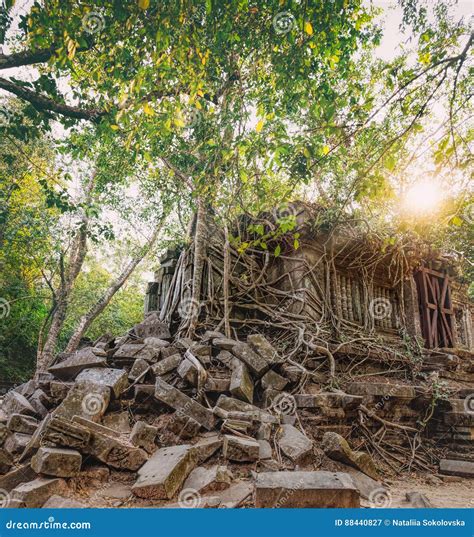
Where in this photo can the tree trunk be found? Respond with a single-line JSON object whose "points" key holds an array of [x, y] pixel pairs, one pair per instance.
{"points": [[45, 354], [193, 308], [87, 319]]}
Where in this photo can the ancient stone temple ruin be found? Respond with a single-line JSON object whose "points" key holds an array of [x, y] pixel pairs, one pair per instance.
{"points": [[306, 366]]}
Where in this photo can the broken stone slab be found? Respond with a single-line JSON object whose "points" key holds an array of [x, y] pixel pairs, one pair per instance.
{"points": [[19, 423], [168, 351], [328, 399], [305, 489], [418, 500], [139, 369], [115, 379], [274, 381], [237, 409], [59, 502], [118, 421], [6, 461], [16, 476], [219, 385], [381, 389], [111, 450], [36, 493], [204, 480], [226, 358], [16, 443], [223, 343], [87, 399], [206, 447], [152, 327], [15, 403], [184, 404], [264, 348], [209, 335], [71, 367], [156, 342], [144, 435], [266, 451], [240, 449], [336, 447], [128, 351], [201, 352], [232, 426], [64, 433], [255, 362], [166, 365], [455, 467], [165, 472], [59, 389], [188, 372], [37, 401], [183, 426], [56, 462], [294, 444], [241, 384], [365, 484], [27, 388]]}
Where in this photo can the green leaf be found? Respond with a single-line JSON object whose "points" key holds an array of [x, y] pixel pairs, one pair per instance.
{"points": [[277, 251]]}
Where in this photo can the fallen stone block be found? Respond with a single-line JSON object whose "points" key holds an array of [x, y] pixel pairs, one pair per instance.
{"points": [[240, 449], [156, 342], [223, 343], [16, 476], [71, 367], [169, 351], [237, 409], [380, 389], [56, 462], [204, 480], [111, 450], [59, 389], [87, 399], [265, 349], [64, 433], [183, 426], [188, 372], [184, 404], [16, 443], [266, 451], [255, 362], [165, 472], [118, 421], [6, 461], [458, 468], [36, 493], [38, 401], [15, 403], [305, 489], [365, 484], [115, 379], [144, 435], [232, 426], [294, 444], [274, 381], [241, 384], [166, 365], [19, 423], [206, 447], [152, 327], [128, 351], [336, 447], [218, 385], [328, 399], [139, 369]]}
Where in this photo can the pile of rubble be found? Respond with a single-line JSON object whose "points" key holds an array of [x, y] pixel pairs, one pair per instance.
{"points": [[210, 422]]}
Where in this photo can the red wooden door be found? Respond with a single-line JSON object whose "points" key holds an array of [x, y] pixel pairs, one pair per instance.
{"points": [[436, 311]]}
